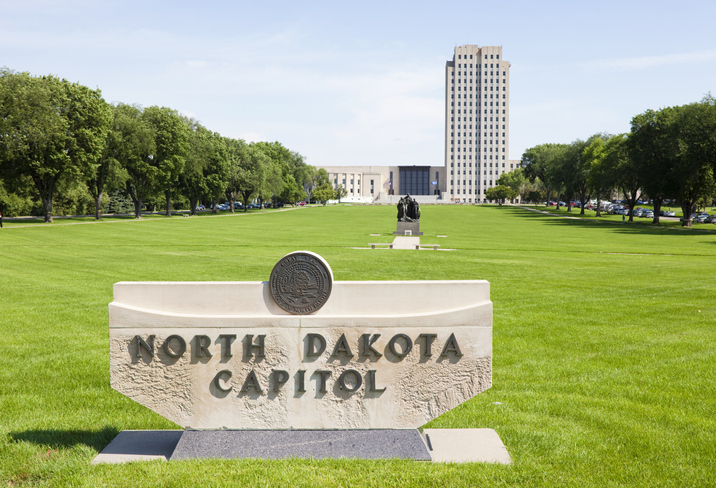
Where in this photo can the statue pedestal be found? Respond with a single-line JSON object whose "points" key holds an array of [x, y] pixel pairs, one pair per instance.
{"points": [[408, 229]]}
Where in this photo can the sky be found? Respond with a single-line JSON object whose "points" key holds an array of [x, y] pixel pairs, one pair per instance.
{"points": [[363, 83]]}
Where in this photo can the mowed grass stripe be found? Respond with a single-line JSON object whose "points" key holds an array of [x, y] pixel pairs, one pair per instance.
{"points": [[603, 363]]}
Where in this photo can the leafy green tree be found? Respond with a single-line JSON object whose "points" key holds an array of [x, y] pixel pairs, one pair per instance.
{"points": [[626, 174], [340, 192], [206, 168], [601, 179], [577, 170], [654, 149], [292, 192], [694, 129], [319, 178], [500, 193], [216, 171], [135, 154], [252, 173], [171, 135], [50, 130], [543, 163], [236, 152], [106, 172], [517, 181], [323, 193]]}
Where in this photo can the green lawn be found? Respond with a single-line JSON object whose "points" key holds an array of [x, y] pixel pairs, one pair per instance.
{"points": [[604, 343]]}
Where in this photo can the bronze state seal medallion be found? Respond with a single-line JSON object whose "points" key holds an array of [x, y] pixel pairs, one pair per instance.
{"points": [[301, 282]]}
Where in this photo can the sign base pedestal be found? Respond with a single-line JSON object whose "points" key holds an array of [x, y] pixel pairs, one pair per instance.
{"points": [[437, 445]]}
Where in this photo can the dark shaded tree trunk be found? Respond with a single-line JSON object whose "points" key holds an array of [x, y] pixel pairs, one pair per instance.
{"points": [[169, 202], [193, 202], [214, 210], [137, 208], [98, 206], [657, 208], [47, 205], [686, 208], [246, 195]]}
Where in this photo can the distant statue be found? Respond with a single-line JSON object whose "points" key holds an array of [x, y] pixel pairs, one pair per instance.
{"points": [[408, 209]]}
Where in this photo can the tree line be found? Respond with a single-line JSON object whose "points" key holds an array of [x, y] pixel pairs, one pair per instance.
{"points": [[62, 144], [668, 154]]}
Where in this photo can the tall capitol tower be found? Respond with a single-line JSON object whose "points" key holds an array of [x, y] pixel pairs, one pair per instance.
{"points": [[477, 121]]}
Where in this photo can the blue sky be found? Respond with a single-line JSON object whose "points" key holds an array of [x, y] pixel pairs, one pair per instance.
{"points": [[362, 83]]}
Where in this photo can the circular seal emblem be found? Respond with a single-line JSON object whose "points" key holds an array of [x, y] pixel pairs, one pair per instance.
{"points": [[301, 282]]}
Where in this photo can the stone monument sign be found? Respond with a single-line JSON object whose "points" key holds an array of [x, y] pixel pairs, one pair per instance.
{"points": [[301, 351]]}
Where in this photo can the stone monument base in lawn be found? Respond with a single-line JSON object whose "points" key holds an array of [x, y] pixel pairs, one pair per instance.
{"points": [[436, 445], [300, 366], [408, 229]]}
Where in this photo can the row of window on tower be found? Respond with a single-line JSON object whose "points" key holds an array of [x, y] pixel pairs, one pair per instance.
{"points": [[492, 56]]}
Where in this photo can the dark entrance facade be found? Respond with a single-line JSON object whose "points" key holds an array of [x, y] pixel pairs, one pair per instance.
{"points": [[414, 180]]}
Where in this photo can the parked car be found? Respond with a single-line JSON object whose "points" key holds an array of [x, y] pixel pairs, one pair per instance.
{"points": [[238, 205], [701, 218], [713, 219], [648, 214]]}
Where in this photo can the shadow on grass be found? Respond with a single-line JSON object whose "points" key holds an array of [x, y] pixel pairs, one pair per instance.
{"points": [[641, 228], [58, 439]]}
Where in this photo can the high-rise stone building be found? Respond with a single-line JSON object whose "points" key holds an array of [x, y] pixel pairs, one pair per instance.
{"points": [[477, 129], [477, 121]]}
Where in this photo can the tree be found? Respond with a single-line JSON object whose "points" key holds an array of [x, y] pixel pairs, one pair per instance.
{"points": [[216, 170], [653, 148], [626, 174], [236, 149], [543, 162], [171, 143], [500, 193], [340, 192], [324, 193], [577, 169], [206, 168], [601, 179], [252, 172], [50, 130], [135, 154], [517, 181], [292, 192], [694, 129], [106, 171]]}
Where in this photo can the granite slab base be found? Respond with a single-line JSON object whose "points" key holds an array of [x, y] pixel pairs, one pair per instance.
{"points": [[436, 445], [404, 227], [316, 444], [139, 445]]}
